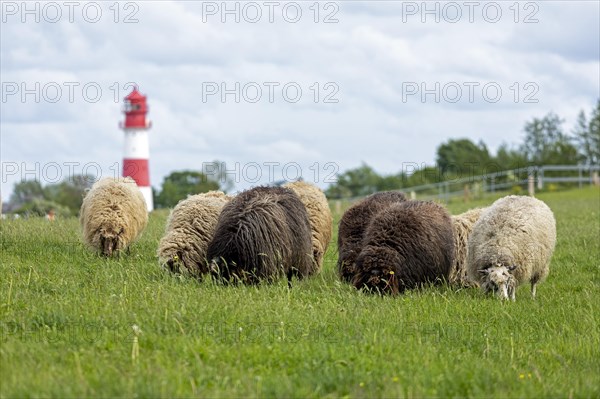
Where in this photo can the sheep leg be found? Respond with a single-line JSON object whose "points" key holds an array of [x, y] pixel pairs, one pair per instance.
{"points": [[533, 289], [289, 279]]}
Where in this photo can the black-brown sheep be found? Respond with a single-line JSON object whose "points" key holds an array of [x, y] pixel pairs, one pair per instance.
{"points": [[353, 225], [405, 246], [262, 234]]}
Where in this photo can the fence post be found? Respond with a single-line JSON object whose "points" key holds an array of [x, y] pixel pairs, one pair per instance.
{"points": [[466, 193], [493, 184], [413, 195], [446, 192], [338, 207], [531, 185], [596, 179], [540, 177], [580, 177]]}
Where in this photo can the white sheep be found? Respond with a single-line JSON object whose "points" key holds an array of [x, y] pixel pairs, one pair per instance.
{"points": [[512, 243], [113, 215], [190, 227]]}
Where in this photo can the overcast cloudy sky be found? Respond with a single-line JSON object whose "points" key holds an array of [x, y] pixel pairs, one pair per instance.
{"points": [[381, 82]]}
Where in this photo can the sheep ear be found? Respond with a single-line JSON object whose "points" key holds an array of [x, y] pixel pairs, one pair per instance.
{"points": [[484, 271]]}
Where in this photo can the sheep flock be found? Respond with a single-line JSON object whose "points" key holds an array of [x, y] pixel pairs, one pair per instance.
{"points": [[387, 244]]}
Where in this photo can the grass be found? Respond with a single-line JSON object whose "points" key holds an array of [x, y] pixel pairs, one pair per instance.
{"points": [[67, 322]]}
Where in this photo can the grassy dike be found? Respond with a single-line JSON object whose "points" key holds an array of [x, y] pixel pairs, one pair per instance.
{"points": [[73, 324]]}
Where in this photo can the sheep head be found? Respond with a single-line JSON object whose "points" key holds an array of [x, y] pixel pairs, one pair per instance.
{"points": [[499, 280], [111, 240], [175, 263], [378, 270]]}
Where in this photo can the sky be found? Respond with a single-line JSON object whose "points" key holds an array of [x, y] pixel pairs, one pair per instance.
{"points": [[279, 90]]}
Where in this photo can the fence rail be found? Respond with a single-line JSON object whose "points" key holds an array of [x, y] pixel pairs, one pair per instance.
{"points": [[528, 179]]}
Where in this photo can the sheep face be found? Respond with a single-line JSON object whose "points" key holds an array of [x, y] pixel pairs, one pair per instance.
{"points": [[499, 280], [177, 263], [183, 260], [378, 270], [111, 241]]}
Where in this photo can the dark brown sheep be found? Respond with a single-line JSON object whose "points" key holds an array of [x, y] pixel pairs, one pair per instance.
{"points": [[262, 234], [353, 225], [405, 246]]}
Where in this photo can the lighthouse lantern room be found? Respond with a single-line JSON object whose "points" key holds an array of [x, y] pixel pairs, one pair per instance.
{"points": [[137, 151]]}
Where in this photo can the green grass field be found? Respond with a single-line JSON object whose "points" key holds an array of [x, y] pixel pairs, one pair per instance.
{"points": [[67, 317]]}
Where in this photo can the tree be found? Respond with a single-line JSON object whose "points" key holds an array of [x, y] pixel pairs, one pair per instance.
{"points": [[41, 207], [546, 143], [355, 182], [587, 136], [509, 158], [26, 191], [179, 184], [462, 156], [69, 192], [217, 172], [594, 135]]}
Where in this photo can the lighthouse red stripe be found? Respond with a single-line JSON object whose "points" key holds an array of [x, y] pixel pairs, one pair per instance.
{"points": [[138, 170]]}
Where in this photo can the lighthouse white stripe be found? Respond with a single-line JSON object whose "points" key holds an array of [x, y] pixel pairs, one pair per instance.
{"points": [[136, 144], [147, 193]]}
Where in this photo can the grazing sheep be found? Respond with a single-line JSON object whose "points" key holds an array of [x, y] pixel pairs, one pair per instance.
{"points": [[512, 243], [113, 215], [352, 228], [190, 228], [406, 245], [319, 216], [463, 225], [262, 234]]}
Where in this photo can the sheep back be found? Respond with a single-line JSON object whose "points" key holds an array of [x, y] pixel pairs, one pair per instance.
{"points": [[406, 245], [353, 225], [514, 231], [113, 215], [462, 225], [190, 227], [319, 216], [262, 234]]}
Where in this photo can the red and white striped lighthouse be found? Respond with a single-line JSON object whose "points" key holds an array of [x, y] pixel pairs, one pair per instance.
{"points": [[137, 151]]}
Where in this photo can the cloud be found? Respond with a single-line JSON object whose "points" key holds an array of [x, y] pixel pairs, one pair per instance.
{"points": [[367, 61]]}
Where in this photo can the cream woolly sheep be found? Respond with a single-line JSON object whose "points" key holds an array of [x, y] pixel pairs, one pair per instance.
{"points": [[190, 227], [113, 215], [462, 225], [319, 216], [511, 243]]}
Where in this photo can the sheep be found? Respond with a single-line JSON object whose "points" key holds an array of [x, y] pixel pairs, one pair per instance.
{"points": [[352, 228], [190, 227], [113, 215], [406, 245], [262, 234], [463, 225], [319, 216], [512, 243]]}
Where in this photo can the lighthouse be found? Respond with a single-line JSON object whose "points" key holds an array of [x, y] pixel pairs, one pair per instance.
{"points": [[137, 151]]}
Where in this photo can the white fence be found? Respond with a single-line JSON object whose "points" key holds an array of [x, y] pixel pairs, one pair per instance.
{"points": [[528, 179]]}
